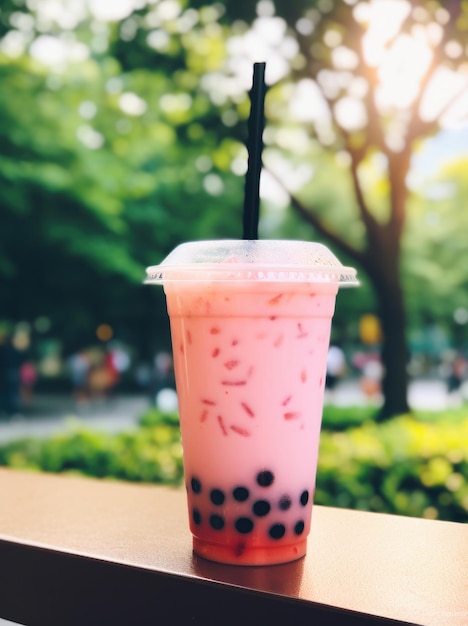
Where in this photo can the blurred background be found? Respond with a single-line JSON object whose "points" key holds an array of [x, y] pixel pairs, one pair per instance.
{"points": [[122, 133]]}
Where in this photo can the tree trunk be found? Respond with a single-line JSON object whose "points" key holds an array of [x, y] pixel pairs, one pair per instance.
{"points": [[394, 353], [381, 262]]}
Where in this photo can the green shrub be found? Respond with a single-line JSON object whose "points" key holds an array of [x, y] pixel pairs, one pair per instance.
{"points": [[412, 465], [148, 454], [341, 418], [406, 466]]}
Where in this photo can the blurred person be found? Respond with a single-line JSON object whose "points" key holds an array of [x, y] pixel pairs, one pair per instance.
{"points": [[79, 366], [99, 380], [164, 377], [143, 376], [10, 365], [371, 380], [111, 371], [121, 359], [336, 366], [99, 374], [28, 379], [456, 377], [457, 373]]}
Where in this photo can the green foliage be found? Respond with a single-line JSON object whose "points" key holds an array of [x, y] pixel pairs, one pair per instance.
{"points": [[93, 190], [409, 466], [435, 280], [150, 454], [336, 418]]}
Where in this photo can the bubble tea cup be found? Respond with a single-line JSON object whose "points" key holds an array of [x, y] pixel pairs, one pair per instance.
{"points": [[250, 326]]}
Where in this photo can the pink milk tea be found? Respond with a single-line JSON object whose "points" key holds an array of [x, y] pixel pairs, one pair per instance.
{"points": [[250, 325]]}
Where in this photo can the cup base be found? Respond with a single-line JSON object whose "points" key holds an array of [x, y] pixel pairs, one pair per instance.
{"points": [[249, 556]]}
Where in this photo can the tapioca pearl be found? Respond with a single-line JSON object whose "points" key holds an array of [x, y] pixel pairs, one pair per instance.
{"points": [[304, 499], [277, 531], [196, 485], [196, 516], [240, 494], [261, 508], [284, 503], [244, 525], [216, 522], [217, 496], [299, 527], [265, 478]]}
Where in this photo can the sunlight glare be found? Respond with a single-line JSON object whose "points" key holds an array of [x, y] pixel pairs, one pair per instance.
{"points": [[441, 90], [350, 113], [57, 52], [307, 104], [272, 191], [401, 71], [266, 40], [131, 104], [401, 59], [112, 11], [384, 18], [14, 43], [344, 58]]}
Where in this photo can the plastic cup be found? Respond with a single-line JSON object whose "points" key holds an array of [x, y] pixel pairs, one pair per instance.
{"points": [[250, 325]]}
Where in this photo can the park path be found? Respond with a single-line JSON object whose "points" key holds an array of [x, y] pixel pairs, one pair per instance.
{"points": [[50, 414]]}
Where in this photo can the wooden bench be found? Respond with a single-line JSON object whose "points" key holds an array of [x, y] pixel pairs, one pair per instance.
{"points": [[76, 551]]}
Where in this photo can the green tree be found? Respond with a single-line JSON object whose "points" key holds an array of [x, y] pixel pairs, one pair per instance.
{"points": [[104, 167], [435, 281], [113, 159], [375, 84]]}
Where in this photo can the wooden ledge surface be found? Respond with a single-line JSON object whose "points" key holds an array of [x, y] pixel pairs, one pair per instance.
{"points": [[73, 549]]}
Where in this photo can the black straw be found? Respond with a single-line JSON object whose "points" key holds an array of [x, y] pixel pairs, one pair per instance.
{"points": [[254, 148]]}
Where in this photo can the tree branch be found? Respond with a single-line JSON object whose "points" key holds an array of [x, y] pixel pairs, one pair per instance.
{"points": [[357, 156], [417, 127], [311, 217], [421, 128]]}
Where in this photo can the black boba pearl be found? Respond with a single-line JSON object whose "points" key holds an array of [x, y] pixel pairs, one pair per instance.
{"points": [[216, 522], [244, 525], [196, 516], [240, 494], [196, 485], [304, 497], [299, 528], [217, 496], [265, 478], [261, 508], [277, 531], [284, 503]]}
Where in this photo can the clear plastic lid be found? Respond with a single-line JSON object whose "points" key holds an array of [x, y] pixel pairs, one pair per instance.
{"points": [[263, 260]]}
